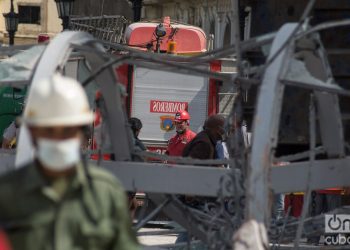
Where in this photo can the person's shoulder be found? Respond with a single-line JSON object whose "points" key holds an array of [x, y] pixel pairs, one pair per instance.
{"points": [[12, 174], [202, 135], [13, 182], [191, 134], [104, 177], [8, 178], [106, 184]]}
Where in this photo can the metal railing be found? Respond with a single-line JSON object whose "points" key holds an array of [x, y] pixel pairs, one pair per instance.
{"points": [[106, 28]]}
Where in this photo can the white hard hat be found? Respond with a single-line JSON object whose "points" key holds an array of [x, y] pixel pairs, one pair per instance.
{"points": [[57, 101]]}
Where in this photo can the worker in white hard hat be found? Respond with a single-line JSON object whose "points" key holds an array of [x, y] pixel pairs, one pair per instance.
{"points": [[57, 201]]}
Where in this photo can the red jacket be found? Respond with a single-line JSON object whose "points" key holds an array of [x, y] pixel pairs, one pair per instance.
{"points": [[178, 142], [4, 242]]}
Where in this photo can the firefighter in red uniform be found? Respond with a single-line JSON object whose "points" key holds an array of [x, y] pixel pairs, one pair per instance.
{"points": [[183, 135]]}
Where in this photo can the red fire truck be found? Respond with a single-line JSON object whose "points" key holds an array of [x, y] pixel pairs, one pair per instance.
{"points": [[154, 96]]}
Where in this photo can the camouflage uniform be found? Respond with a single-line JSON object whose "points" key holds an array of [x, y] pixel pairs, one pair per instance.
{"points": [[65, 214]]}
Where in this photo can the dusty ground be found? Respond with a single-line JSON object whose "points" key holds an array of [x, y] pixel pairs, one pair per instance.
{"points": [[150, 240]]}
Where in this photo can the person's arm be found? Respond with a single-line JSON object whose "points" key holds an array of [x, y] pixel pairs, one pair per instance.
{"points": [[140, 144]]}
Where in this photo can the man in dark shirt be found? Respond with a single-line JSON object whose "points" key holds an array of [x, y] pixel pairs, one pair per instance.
{"points": [[136, 126], [203, 145]]}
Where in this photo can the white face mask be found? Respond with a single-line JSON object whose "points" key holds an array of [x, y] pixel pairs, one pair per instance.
{"points": [[59, 155]]}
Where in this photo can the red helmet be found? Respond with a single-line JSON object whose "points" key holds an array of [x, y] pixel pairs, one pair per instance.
{"points": [[98, 95], [182, 115]]}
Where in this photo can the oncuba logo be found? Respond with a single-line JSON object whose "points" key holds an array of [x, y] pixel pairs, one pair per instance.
{"points": [[166, 123], [337, 240], [337, 223]]}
